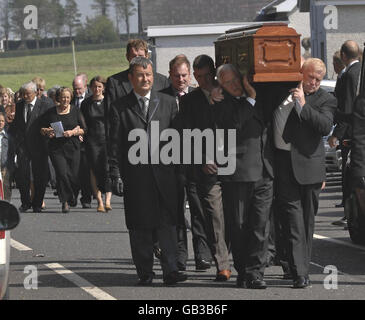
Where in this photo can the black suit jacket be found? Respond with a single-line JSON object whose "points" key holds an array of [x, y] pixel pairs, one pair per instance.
{"points": [[305, 133], [254, 151], [358, 138], [146, 186], [170, 91], [88, 94], [118, 86], [346, 94], [196, 113], [27, 135]]}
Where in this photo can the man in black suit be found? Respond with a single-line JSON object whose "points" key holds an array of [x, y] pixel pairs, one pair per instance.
{"points": [[248, 192], [196, 112], [150, 192], [118, 85], [81, 92], [41, 87], [299, 124], [339, 68], [180, 78], [346, 94], [30, 148]]}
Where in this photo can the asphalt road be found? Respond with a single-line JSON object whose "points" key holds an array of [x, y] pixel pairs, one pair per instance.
{"points": [[85, 255]]}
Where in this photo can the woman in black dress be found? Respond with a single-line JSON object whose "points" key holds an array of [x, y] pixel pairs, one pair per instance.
{"points": [[93, 110], [64, 150]]}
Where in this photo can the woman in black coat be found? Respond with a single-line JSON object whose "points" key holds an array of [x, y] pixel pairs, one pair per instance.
{"points": [[64, 149], [93, 110]]}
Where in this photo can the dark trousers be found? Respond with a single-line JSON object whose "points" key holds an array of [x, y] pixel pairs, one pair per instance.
{"points": [[346, 189], [142, 240], [296, 206], [276, 246], [199, 238], [52, 174], [247, 206], [38, 165], [84, 177], [212, 205], [66, 162]]}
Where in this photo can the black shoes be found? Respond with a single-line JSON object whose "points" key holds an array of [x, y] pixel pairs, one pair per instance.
{"points": [[37, 210], [24, 208], [73, 202], [242, 282], [301, 282], [174, 277], [146, 280], [256, 284], [340, 223], [86, 205], [201, 265]]}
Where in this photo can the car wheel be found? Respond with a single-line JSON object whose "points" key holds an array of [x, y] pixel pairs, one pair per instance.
{"points": [[355, 219]]}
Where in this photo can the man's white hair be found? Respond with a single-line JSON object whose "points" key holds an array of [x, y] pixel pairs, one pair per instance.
{"points": [[29, 86], [227, 67]]}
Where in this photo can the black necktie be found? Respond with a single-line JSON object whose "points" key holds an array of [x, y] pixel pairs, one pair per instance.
{"points": [[29, 112]]}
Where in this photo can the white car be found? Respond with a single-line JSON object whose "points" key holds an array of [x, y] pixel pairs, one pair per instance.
{"points": [[9, 219]]}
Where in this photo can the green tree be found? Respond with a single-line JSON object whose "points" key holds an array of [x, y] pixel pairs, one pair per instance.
{"points": [[5, 22], [17, 20], [101, 7], [124, 9], [44, 20], [72, 17], [97, 30], [57, 15]]}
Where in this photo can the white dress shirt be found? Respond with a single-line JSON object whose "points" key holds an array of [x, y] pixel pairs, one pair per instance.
{"points": [[281, 115], [31, 108], [147, 99]]}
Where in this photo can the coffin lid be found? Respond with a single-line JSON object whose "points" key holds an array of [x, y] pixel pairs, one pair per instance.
{"points": [[250, 29]]}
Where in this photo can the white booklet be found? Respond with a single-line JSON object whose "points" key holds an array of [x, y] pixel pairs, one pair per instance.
{"points": [[58, 129]]}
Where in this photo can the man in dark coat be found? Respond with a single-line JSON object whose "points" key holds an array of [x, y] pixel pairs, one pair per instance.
{"points": [[346, 94], [248, 191], [81, 92], [299, 124], [30, 148], [118, 85], [180, 77], [196, 112], [150, 190]]}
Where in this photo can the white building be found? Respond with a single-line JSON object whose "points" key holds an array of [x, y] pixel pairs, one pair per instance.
{"points": [[332, 23], [191, 40], [195, 39]]}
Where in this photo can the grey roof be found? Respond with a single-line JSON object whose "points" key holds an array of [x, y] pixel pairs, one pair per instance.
{"points": [[177, 12]]}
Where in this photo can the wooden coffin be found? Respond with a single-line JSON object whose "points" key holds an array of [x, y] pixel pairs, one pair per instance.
{"points": [[268, 52]]}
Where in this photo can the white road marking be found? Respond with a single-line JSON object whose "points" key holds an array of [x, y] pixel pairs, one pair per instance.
{"points": [[80, 282], [19, 246], [345, 243]]}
